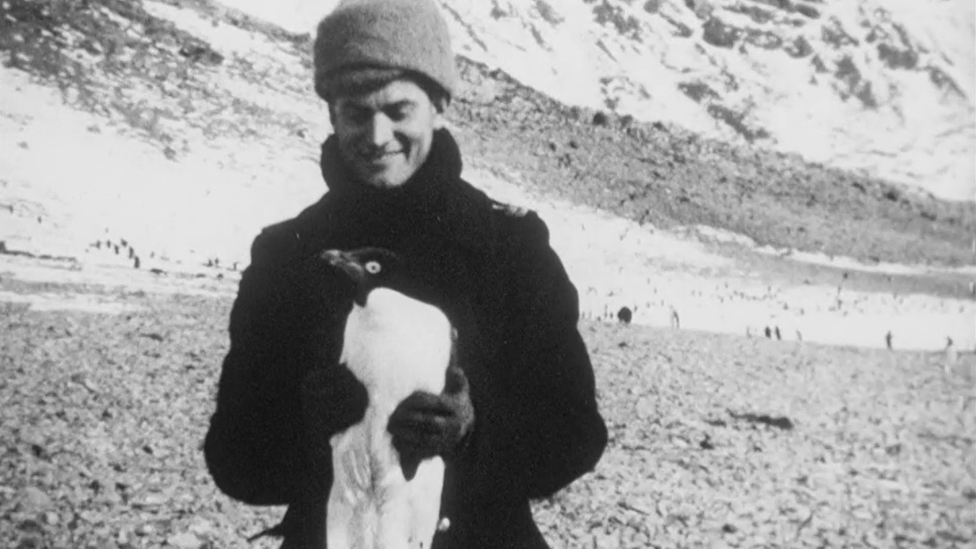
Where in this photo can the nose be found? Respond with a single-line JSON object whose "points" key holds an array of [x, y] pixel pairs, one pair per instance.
{"points": [[380, 130]]}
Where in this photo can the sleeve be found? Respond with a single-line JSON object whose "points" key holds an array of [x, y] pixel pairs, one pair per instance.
{"points": [[538, 425], [254, 447]]}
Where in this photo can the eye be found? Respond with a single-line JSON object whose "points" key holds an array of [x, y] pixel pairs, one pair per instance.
{"points": [[373, 267], [399, 112]]}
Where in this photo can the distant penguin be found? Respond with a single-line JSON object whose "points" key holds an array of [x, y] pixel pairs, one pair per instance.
{"points": [[769, 333], [951, 355], [779, 336], [625, 315], [888, 338], [395, 344]]}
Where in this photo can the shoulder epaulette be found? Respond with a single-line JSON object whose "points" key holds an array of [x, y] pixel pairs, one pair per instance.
{"points": [[510, 210], [521, 222]]}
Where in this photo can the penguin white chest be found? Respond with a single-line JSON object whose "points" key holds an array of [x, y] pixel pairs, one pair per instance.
{"points": [[394, 345]]}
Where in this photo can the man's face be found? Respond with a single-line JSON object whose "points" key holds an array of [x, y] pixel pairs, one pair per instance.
{"points": [[385, 135]]}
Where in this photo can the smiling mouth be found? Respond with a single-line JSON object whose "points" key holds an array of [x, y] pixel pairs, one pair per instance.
{"points": [[379, 157]]}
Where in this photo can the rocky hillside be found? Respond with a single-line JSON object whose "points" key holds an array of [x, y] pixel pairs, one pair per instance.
{"points": [[201, 83], [886, 86]]}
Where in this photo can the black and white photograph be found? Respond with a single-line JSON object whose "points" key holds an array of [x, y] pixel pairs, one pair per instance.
{"points": [[487, 274]]}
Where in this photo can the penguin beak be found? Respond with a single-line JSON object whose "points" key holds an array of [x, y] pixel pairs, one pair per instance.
{"points": [[346, 263]]}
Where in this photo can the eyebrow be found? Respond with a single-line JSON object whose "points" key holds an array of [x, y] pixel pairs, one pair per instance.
{"points": [[404, 103]]}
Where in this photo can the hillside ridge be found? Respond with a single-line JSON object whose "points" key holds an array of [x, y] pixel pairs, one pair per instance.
{"points": [[649, 172], [888, 86], [182, 128]]}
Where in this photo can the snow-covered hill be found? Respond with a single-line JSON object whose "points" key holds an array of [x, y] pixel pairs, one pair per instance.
{"points": [[883, 85], [169, 152]]}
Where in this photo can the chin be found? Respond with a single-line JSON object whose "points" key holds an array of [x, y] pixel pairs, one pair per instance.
{"points": [[384, 183], [385, 180]]}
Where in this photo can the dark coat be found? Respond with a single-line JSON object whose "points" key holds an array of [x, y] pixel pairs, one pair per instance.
{"points": [[537, 425]]}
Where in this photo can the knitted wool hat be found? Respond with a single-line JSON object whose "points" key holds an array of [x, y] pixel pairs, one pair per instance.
{"points": [[364, 40]]}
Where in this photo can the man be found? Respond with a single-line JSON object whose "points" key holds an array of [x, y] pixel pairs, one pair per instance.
{"points": [[519, 421]]}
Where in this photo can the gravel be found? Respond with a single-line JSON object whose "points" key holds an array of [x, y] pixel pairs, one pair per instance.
{"points": [[715, 441]]}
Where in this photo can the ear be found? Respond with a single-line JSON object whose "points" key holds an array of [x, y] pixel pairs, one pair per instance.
{"points": [[440, 112]]}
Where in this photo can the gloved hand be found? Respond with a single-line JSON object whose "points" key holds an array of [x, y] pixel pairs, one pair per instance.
{"points": [[332, 401], [426, 425]]}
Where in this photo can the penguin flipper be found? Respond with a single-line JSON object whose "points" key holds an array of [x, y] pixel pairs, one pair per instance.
{"points": [[409, 464]]}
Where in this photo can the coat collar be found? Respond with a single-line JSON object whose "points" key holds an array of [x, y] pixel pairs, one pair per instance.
{"points": [[443, 165], [435, 198]]}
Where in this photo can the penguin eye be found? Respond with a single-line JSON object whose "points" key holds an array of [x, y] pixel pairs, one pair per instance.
{"points": [[373, 267]]}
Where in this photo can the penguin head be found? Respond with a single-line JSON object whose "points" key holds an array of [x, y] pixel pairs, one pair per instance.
{"points": [[370, 268]]}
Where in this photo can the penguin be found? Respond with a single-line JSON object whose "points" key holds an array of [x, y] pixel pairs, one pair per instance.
{"points": [[395, 342], [951, 355]]}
